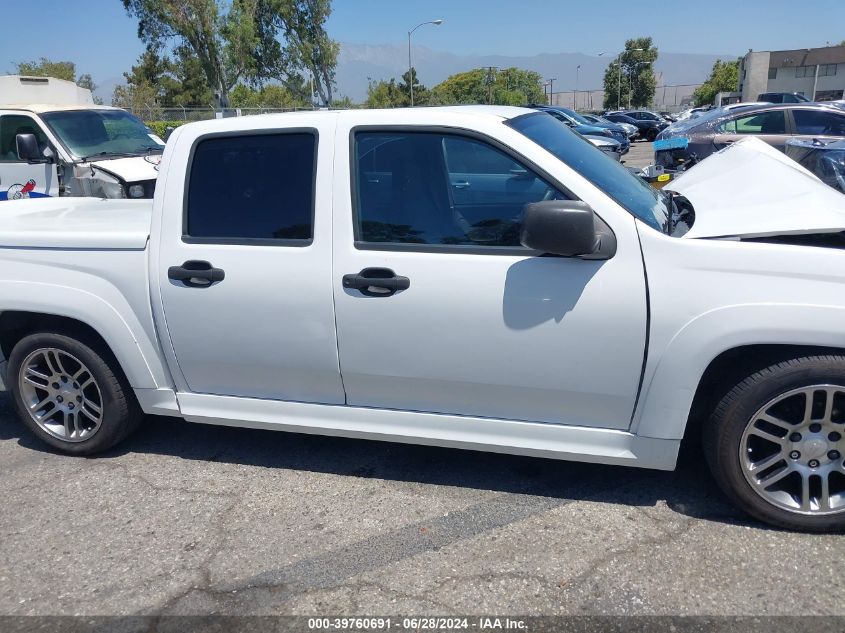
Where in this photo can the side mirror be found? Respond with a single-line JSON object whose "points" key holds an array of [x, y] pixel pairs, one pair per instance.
{"points": [[567, 228], [27, 146]]}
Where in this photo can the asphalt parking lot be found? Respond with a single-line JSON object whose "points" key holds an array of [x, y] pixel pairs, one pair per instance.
{"points": [[187, 519], [640, 154]]}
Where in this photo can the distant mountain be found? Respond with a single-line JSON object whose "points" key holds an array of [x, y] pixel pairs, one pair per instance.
{"points": [[358, 62]]}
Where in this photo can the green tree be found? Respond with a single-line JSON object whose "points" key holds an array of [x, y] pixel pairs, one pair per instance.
{"points": [[141, 99], [510, 86], [309, 46], [723, 78], [157, 79], [252, 41], [186, 83], [614, 96], [422, 94], [343, 103], [638, 81], [273, 96], [385, 94], [47, 68]]}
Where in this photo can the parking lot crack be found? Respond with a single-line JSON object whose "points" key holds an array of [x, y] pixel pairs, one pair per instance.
{"points": [[663, 538]]}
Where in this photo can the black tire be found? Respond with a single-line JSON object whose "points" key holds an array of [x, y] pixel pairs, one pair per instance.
{"points": [[121, 413], [723, 433], [651, 135]]}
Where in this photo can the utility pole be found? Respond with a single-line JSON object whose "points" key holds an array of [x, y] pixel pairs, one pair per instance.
{"points": [[489, 82], [551, 89]]}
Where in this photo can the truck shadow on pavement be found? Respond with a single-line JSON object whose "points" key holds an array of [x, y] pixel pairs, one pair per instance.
{"points": [[688, 491]]}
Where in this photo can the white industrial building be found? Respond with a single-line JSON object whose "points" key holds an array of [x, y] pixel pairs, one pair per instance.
{"points": [[816, 73]]}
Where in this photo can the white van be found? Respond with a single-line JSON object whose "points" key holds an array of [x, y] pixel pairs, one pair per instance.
{"points": [[54, 141]]}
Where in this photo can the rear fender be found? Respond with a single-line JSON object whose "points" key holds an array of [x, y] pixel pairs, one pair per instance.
{"points": [[115, 322]]}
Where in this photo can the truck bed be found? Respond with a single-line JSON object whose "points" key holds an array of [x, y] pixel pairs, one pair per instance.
{"points": [[65, 223]]}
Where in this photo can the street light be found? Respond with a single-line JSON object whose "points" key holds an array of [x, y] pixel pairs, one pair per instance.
{"points": [[619, 85], [575, 96], [410, 65]]}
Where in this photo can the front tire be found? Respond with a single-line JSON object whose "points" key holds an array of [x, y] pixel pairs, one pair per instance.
{"points": [[68, 390], [776, 444]]}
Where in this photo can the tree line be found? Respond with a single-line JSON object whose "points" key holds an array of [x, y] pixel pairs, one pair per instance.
{"points": [[508, 86], [277, 54]]}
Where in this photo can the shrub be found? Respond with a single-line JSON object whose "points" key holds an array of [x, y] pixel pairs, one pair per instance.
{"points": [[159, 128]]}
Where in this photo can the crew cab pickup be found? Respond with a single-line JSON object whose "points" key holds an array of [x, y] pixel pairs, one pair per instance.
{"points": [[475, 277]]}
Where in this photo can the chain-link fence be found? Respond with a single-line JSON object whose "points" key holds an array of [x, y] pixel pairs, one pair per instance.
{"points": [[670, 98]]}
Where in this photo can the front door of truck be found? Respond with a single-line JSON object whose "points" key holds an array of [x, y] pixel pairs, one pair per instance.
{"points": [[244, 268], [459, 318], [19, 179]]}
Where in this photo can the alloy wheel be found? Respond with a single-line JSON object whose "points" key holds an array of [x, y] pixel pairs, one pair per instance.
{"points": [[61, 395], [792, 448]]}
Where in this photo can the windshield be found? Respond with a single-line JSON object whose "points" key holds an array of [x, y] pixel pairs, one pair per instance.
{"points": [[631, 192], [98, 133]]}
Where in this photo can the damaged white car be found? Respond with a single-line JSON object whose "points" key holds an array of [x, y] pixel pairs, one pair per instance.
{"points": [[476, 277], [54, 141]]}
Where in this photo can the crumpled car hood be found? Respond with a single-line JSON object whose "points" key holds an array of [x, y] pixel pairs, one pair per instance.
{"points": [[750, 189], [132, 168]]}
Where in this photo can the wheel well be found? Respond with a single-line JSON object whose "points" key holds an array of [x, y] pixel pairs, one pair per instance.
{"points": [[731, 366], [15, 325]]}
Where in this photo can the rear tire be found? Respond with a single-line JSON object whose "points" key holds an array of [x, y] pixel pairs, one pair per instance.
{"points": [[69, 391], [776, 444]]}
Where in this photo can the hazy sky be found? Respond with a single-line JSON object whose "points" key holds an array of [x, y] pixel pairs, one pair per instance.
{"points": [[101, 39]]}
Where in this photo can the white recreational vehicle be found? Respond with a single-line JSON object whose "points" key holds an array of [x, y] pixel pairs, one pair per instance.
{"points": [[55, 141]]}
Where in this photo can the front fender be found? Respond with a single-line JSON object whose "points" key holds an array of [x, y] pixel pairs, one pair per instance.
{"points": [[674, 372]]}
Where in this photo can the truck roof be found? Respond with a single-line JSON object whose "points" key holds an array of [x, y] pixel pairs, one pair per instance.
{"points": [[22, 90], [432, 115], [503, 112]]}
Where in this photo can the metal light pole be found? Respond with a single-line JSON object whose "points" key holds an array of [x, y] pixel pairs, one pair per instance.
{"points": [[575, 96], [551, 89], [410, 65]]}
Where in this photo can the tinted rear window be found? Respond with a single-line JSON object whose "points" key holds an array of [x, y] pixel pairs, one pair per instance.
{"points": [[252, 187]]}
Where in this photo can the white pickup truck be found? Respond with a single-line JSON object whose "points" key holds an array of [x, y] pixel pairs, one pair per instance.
{"points": [[476, 277]]}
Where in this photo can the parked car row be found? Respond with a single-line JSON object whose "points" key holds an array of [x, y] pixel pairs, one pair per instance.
{"points": [[648, 124], [599, 132], [696, 139], [629, 128]]}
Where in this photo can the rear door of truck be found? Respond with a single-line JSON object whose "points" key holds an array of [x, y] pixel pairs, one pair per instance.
{"points": [[243, 261]]}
